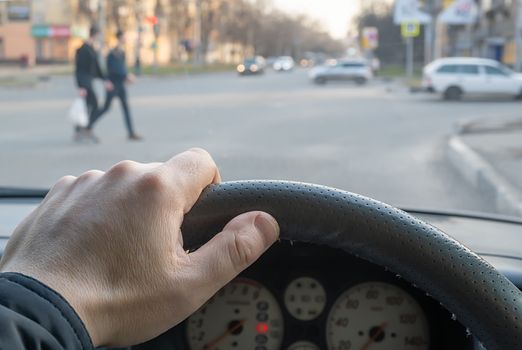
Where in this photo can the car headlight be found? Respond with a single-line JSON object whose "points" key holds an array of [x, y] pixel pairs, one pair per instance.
{"points": [[241, 68], [253, 68]]}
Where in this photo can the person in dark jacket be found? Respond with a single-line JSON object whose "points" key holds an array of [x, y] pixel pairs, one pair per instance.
{"points": [[87, 68], [101, 262], [119, 75]]}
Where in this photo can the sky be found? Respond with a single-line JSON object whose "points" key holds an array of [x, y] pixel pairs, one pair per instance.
{"points": [[334, 15]]}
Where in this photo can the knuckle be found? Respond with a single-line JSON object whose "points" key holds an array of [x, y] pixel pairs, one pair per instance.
{"points": [[200, 151], [63, 182], [242, 250], [122, 168], [152, 182], [89, 175]]}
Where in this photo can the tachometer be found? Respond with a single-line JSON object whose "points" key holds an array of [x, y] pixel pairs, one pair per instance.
{"points": [[376, 315], [242, 315]]}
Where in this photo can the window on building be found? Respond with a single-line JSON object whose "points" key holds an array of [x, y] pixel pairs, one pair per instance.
{"points": [[18, 10], [2, 52], [469, 69]]}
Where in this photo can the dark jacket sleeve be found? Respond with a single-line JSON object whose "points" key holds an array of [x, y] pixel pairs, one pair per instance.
{"points": [[33, 316]]}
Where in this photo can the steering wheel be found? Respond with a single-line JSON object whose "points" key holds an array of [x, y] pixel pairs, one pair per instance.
{"points": [[483, 300]]}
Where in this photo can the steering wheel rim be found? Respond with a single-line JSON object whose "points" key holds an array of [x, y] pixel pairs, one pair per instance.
{"points": [[483, 300]]}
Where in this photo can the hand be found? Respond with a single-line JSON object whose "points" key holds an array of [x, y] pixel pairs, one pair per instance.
{"points": [[82, 92], [110, 244], [131, 78], [108, 85]]}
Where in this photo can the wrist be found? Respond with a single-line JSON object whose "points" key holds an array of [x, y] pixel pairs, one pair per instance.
{"points": [[78, 299]]}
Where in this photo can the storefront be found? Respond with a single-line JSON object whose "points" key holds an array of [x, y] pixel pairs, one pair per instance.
{"points": [[56, 43]]}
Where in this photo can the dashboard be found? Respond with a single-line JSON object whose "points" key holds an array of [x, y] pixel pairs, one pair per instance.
{"points": [[300, 296], [308, 297]]}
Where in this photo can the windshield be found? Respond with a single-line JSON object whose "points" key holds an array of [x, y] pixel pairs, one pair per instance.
{"points": [[85, 84]]}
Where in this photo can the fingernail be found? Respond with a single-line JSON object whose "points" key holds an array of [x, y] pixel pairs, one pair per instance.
{"points": [[268, 227]]}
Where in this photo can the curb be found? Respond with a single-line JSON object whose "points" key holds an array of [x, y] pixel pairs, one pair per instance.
{"points": [[481, 175]]}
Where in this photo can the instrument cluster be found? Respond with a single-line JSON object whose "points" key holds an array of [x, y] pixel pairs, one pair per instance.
{"points": [[305, 297]]}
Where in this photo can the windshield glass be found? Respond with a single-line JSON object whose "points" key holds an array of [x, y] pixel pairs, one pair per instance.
{"points": [[87, 83]]}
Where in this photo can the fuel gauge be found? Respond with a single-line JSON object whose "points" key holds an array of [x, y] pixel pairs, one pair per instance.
{"points": [[305, 298]]}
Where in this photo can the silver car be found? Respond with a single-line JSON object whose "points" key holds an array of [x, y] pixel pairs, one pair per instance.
{"points": [[351, 70]]}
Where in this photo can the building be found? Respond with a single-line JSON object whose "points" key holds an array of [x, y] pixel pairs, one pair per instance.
{"points": [[158, 31], [494, 36], [56, 29], [16, 43]]}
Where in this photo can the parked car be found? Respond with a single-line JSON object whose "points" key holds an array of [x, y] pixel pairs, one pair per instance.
{"points": [[352, 70], [284, 64], [459, 76], [252, 65]]}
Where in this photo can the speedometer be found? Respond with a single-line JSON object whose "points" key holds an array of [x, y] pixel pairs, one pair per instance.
{"points": [[242, 315], [376, 315]]}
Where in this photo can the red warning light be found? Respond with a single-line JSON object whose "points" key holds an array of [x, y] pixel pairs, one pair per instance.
{"points": [[262, 328]]}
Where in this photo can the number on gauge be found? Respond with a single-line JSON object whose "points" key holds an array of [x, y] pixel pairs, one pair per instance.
{"points": [[305, 298], [242, 315], [376, 315], [303, 345]]}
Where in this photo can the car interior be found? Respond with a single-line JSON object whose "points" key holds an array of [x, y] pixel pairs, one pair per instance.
{"points": [[348, 273], [351, 112]]}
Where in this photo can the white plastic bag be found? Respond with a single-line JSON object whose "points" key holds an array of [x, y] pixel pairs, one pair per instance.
{"points": [[78, 113]]}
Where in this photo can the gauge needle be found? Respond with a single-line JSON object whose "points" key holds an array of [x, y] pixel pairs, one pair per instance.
{"points": [[211, 344], [376, 335]]}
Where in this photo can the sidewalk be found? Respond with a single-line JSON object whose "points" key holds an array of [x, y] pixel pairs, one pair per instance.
{"points": [[488, 154], [16, 76]]}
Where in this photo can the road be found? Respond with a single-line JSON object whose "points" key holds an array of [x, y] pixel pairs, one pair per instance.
{"points": [[375, 140]]}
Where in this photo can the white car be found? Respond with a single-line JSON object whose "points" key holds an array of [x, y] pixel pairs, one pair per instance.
{"points": [[354, 70], [455, 77], [284, 64]]}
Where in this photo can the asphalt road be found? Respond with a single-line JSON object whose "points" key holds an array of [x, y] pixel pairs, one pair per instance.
{"points": [[376, 140]]}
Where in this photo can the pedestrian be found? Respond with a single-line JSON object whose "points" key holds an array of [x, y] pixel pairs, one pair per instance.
{"points": [[87, 68], [119, 75]]}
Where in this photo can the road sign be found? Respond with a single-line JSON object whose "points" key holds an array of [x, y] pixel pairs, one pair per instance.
{"points": [[408, 11], [410, 29], [370, 38], [460, 12]]}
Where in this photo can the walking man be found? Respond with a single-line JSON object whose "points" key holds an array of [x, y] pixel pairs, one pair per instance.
{"points": [[87, 68], [118, 75]]}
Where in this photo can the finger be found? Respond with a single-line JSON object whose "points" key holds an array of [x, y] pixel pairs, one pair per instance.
{"points": [[189, 173], [241, 242]]}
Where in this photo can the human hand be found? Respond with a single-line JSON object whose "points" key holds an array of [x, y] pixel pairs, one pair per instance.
{"points": [[131, 78], [108, 85], [82, 92], [110, 244]]}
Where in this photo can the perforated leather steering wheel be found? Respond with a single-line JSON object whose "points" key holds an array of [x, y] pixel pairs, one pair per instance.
{"points": [[483, 300]]}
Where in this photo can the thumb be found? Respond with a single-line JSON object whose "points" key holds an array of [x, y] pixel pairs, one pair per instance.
{"points": [[241, 242]]}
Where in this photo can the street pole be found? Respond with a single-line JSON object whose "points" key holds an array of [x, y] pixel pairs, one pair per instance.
{"points": [[101, 21], [197, 33], [139, 30], [409, 58], [428, 34], [518, 37]]}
